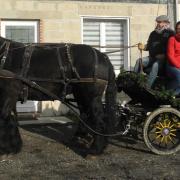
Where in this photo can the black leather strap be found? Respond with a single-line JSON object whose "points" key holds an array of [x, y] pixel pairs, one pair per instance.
{"points": [[61, 67], [26, 60], [3, 60], [25, 68]]}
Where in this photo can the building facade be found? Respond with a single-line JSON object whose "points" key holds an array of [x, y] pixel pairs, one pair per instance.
{"points": [[106, 25]]}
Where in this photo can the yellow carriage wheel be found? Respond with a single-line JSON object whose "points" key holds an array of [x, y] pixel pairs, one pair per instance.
{"points": [[162, 131]]}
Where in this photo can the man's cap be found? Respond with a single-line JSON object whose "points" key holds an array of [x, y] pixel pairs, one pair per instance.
{"points": [[163, 18]]}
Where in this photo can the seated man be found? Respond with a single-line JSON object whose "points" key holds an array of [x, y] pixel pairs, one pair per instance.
{"points": [[156, 45]]}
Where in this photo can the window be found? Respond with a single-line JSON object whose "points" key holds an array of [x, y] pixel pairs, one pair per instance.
{"points": [[108, 35], [21, 31]]}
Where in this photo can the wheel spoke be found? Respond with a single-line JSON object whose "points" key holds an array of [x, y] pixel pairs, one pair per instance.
{"points": [[158, 132], [165, 123], [173, 130], [157, 127], [161, 124], [165, 140], [172, 134], [162, 139], [157, 137], [169, 124]]}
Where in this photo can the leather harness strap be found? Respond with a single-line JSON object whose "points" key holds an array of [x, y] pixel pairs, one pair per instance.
{"points": [[26, 60], [25, 68], [5, 74], [70, 58], [71, 81], [3, 59], [96, 64], [61, 67], [71, 61]]}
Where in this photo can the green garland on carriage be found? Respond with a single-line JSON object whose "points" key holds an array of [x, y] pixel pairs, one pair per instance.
{"points": [[138, 82]]}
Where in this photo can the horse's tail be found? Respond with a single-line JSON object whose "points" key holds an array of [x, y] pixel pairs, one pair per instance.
{"points": [[110, 100]]}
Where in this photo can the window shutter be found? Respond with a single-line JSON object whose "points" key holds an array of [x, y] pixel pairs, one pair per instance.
{"points": [[91, 33], [106, 32], [114, 37]]}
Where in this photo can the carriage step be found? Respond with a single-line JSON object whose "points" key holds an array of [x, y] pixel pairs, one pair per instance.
{"points": [[46, 120]]}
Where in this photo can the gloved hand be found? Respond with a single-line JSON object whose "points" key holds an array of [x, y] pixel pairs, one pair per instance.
{"points": [[141, 46]]}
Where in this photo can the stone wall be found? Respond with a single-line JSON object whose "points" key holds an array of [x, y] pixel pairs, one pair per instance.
{"points": [[121, 1]]}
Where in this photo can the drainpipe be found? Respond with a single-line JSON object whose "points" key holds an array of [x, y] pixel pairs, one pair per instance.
{"points": [[176, 11]]}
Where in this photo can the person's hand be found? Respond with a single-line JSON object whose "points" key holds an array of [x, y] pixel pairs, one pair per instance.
{"points": [[160, 56], [141, 46]]}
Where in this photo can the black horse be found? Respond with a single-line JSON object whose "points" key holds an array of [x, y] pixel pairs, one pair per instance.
{"points": [[60, 69]]}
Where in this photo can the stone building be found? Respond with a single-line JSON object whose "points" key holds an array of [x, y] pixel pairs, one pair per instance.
{"points": [[113, 23]]}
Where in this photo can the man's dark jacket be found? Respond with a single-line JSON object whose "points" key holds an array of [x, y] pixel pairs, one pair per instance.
{"points": [[157, 42]]}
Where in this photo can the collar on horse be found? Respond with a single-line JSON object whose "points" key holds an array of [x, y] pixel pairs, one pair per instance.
{"points": [[5, 53]]}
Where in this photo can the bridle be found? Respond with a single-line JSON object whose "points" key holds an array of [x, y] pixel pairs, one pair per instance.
{"points": [[4, 54]]}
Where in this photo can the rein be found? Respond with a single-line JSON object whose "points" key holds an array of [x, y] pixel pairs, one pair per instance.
{"points": [[119, 47]]}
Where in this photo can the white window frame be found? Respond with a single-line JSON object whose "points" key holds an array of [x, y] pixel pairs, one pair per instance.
{"points": [[5, 23], [127, 62]]}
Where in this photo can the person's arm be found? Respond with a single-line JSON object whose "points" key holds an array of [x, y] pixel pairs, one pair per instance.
{"points": [[148, 45], [171, 53]]}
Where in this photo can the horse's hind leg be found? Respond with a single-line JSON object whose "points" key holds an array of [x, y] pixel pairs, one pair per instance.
{"points": [[10, 140], [98, 125], [89, 101]]}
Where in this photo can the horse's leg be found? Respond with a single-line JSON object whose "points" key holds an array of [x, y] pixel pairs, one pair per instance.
{"points": [[83, 109], [89, 101], [98, 125], [10, 140]]}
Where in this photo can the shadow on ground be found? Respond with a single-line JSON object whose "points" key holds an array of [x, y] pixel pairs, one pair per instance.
{"points": [[65, 133], [62, 133]]}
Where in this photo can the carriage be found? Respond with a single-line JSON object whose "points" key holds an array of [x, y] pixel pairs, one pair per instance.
{"points": [[155, 110], [52, 71]]}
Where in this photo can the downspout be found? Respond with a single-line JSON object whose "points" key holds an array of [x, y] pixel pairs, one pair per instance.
{"points": [[176, 11]]}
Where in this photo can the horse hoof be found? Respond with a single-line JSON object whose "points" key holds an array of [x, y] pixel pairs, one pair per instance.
{"points": [[91, 157], [5, 157], [94, 151]]}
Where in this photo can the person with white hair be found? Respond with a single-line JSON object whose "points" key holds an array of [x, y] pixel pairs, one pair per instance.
{"points": [[157, 46]]}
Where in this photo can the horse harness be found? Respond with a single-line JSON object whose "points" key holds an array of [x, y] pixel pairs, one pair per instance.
{"points": [[65, 80], [6, 44]]}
